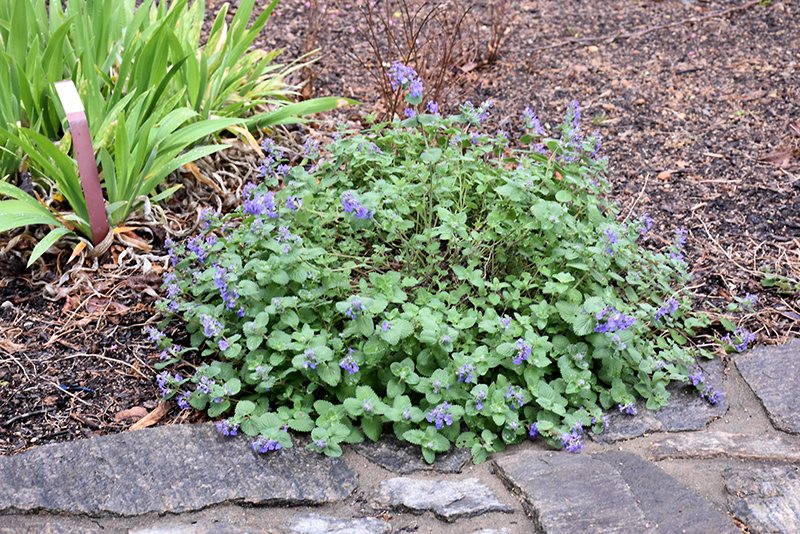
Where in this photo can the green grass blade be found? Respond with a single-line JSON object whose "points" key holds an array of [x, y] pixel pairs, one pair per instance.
{"points": [[47, 241], [295, 112], [17, 213]]}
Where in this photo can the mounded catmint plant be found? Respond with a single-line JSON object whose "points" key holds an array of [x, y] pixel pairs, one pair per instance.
{"points": [[427, 278]]}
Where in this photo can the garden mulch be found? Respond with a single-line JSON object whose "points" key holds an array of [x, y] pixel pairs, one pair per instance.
{"points": [[697, 103]]}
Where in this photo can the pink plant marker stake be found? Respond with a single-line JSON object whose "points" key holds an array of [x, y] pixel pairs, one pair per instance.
{"points": [[84, 154]]}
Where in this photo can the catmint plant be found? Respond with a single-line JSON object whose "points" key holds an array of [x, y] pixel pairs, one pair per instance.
{"points": [[428, 277]]}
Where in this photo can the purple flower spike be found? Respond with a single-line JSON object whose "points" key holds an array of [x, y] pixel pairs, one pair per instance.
{"points": [[441, 415], [573, 441]]}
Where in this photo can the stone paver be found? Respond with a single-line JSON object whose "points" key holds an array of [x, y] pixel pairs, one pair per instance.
{"points": [[765, 498], [166, 469], [773, 373], [200, 527], [448, 500], [566, 493], [404, 458], [711, 444], [686, 411], [665, 503], [50, 528], [317, 524], [610, 493]]}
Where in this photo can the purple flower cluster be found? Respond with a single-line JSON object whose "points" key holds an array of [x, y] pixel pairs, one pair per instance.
{"points": [[532, 123], [385, 326], [272, 161], [597, 142], [370, 147], [750, 300], [437, 387], [351, 205], [611, 239], [445, 340], [154, 335], [227, 427], [183, 404], [466, 373], [516, 396], [173, 291], [669, 307], [221, 280], [311, 149], [195, 244], [349, 363], [605, 421], [680, 237], [711, 395], [697, 378], [355, 309], [321, 444], [523, 352], [169, 244], [480, 396], [505, 321], [401, 75], [432, 107], [614, 320], [646, 222], [367, 406], [629, 408], [573, 441], [258, 204], [476, 116], [407, 415], [263, 445], [744, 336], [533, 431], [311, 359], [163, 379], [409, 112], [206, 384], [211, 327], [293, 203], [441, 415], [573, 136]]}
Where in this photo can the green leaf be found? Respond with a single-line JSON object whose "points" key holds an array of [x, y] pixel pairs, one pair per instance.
{"points": [[244, 407], [372, 427], [431, 155]]}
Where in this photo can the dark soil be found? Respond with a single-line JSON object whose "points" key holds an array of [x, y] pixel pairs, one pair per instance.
{"points": [[699, 108]]}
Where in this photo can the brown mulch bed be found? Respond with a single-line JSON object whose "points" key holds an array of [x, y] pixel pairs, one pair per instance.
{"points": [[699, 108]]}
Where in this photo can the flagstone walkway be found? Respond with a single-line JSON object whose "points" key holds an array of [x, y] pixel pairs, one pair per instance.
{"points": [[692, 467]]}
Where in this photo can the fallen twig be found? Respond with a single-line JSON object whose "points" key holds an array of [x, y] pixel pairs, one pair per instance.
{"points": [[25, 415]]}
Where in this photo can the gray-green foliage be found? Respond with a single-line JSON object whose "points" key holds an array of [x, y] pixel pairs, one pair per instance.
{"points": [[478, 290]]}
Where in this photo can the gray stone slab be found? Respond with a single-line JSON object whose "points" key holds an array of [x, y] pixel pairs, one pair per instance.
{"points": [[773, 373], [317, 524], [50, 528], [665, 503], [166, 469], [493, 531], [447, 499], [686, 410], [200, 527], [765, 498], [403, 458], [566, 493], [711, 444]]}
